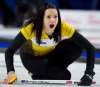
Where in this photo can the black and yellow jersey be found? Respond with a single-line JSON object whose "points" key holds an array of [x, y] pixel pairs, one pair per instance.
{"points": [[47, 44]]}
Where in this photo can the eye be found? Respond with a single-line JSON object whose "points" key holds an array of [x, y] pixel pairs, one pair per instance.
{"points": [[55, 16], [49, 17]]}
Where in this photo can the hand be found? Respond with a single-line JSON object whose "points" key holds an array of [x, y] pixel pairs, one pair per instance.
{"points": [[10, 78], [86, 80]]}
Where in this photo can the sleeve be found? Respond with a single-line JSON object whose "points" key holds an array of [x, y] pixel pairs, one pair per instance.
{"points": [[17, 42], [90, 49]]}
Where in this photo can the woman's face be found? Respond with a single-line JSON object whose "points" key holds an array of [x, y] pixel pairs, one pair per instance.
{"points": [[50, 20]]}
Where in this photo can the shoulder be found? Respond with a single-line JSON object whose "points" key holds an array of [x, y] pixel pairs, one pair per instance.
{"points": [[30, 25], [27, 31], [65, 24], [67, 29], [27, 27]]}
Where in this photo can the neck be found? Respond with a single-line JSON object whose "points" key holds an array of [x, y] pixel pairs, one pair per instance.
{"points": [[48, 32]]}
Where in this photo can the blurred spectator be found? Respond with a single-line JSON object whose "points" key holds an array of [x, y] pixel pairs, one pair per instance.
{"points": [[81, 4], [24, 11], [95, 4], [77, 4], [98, 4], [27, 9], [8, 17], [14, 12], [56, 2], [11, 5]]}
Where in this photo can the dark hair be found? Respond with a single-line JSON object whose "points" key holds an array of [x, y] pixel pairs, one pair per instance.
{"points": [[38, 23]]}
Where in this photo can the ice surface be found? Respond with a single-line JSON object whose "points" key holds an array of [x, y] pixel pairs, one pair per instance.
{"points": [[77, 70]]}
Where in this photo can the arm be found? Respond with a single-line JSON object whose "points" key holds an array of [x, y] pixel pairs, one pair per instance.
{"points": [[18, 41], [85, 44], [86, 80]]}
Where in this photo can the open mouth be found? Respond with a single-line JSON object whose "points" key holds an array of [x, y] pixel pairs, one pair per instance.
{"points": [[51, 25]]}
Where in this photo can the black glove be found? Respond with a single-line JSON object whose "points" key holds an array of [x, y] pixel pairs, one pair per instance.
{"points": [[86, 80]]}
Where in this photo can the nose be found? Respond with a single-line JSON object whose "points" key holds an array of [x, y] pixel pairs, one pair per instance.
{"points": [[52, 19]]}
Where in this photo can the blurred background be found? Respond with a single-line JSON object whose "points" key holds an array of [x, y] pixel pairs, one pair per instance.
{"points": [[84, 15]]}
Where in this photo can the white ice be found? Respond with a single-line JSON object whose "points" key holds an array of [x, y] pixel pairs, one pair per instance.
{"points": [[77, 70]]}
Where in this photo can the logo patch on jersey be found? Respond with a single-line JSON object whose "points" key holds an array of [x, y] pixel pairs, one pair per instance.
{"points": [[45, 42]]}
